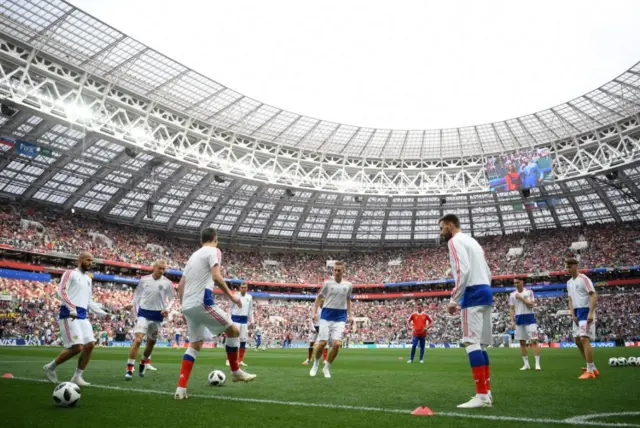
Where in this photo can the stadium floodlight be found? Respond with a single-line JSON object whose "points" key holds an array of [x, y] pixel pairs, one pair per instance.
{"points": [[141, 134], [347, 185], [78, 112]]}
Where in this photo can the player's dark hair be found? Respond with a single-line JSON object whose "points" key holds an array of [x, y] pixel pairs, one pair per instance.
{"points": [[451, 218], [208, 235], [571, 261], [339, 263]]}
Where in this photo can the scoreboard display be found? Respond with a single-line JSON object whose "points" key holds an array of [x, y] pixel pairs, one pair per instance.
{"points": [[520, 170]]}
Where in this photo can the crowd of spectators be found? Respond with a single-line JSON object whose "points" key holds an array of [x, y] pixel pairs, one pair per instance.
{"points": [[33, 309], [542, 250], [32, 313]]}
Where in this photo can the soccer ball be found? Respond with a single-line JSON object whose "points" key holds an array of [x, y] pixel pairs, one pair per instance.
{"points": [[67, 394], [217, 378], [613, 361], [632, 361], [622, 361]]}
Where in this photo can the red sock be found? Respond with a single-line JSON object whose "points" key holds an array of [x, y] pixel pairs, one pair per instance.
{"points": [[185, 372], [129, 367], [487, 375], [324, 354], [310, 353], [479, 376], [232, 356], [241, 356]]}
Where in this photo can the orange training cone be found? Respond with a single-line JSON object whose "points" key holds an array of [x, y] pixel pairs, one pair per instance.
{"points": [[7, 376], [422, 411]]}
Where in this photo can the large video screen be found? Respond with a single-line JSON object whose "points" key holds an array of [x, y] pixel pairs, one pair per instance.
{"points": [[520, 170]]}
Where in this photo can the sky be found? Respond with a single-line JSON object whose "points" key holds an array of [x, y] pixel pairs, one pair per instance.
{"points": [[392, 64]]}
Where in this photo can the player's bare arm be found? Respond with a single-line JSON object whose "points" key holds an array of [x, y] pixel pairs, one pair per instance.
{"points": [[349, 317], [168, 304], [220, 282], [512, 313], [316, 306], [593, 300], [181, 289], [526, 301], [452, 307], [573, 316]]}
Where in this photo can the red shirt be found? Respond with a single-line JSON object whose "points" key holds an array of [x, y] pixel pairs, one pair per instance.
{"points": [[513, 180], [420, 322]]}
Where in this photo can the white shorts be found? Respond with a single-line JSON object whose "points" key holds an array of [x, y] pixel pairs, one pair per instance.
{"points": [[476, 325], [331, 330], [205, 322], [150, 328], [75, 332], [244, 331], [581, 329], [527, 332]]}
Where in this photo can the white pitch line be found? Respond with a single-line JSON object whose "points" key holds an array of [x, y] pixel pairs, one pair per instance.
{"points": [[568, 421], [580, 419]]}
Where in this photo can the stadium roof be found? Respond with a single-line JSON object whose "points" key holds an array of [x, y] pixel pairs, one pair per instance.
{"points": [[88, 164], [87, 43]]}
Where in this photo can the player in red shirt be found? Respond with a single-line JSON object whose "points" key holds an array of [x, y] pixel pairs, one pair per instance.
{"points": [[421, 323]]}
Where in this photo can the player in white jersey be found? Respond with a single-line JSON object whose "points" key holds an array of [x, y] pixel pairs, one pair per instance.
{"points": [[178, 335], [152, 301], [313, 337], [242, 316], [204, 319], [521, 304], [336, 312], [472, 291], [75, 292], [582, 305]]}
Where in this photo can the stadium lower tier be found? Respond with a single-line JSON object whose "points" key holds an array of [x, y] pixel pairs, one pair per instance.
{"points": [[30, 309]]}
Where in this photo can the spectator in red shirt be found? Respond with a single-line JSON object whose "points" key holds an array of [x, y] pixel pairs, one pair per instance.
{"points": [[421, 323]]}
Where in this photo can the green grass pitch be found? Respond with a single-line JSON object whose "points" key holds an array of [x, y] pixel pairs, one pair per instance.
{"points": [[369, 388]]}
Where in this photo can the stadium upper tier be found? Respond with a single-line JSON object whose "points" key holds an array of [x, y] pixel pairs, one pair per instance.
{"points": [[62, 31], [93, 120], [53, 232]]}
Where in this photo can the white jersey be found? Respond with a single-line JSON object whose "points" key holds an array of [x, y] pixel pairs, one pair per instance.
{"points": [[75, 293], [244, 314], [152, 296], [470, 271], [336, 295], [523, 313], [198, 287], [578, 290]]}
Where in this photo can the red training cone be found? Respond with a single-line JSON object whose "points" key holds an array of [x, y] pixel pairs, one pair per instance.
{"points": [[422, 411], [7, 376]]}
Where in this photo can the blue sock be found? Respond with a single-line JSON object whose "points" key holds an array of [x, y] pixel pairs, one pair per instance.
{"points": [[476, 357], [422, 345], [413, 352]]}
